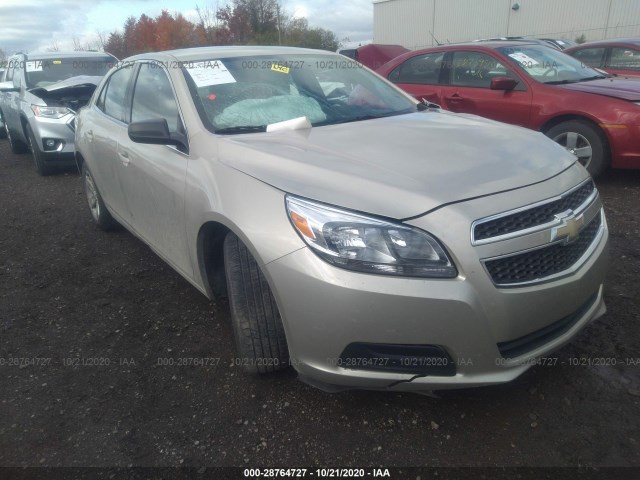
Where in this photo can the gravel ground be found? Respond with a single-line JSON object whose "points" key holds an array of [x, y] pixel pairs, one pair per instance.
{"points": [[72, 295]]}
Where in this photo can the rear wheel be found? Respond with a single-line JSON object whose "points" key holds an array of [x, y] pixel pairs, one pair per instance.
{"points": [[41, 167], [257, 325], [99, 212], [585, 141], [16, 146]]}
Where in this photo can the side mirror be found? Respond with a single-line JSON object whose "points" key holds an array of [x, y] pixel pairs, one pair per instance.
{"points": [[503, 83], [8, 87], [155, 132]]}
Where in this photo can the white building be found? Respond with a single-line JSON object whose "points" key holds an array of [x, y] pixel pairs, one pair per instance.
{"points": [[424, 23]]}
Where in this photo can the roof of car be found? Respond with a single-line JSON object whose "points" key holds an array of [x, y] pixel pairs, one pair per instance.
{"points": [[631, 41], [57, 55], [493, 44], [208, 53]]}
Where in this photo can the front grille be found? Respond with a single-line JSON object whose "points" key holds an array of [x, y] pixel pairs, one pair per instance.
{"points": [[522, 345], [543, 262], [532, 217]]}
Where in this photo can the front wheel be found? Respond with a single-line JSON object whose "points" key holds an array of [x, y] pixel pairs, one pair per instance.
{"points": [[257, 325], [16, 146], [99, 212], [585, 141], [36, 153]]}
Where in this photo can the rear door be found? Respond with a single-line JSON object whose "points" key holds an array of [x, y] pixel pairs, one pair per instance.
{"points": [[11, 100], [153, 176], [106, 129], [469, 75], [420, 76]]}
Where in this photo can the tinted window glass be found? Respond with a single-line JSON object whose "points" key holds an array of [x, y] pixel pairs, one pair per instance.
{"points": [[153, 98], [422, 69], [625, 59], [115, 93], [41, 73], [473, 69], [590, 56]]}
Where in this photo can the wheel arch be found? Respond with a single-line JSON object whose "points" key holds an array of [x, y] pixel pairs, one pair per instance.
{"points": [[549, 124], [210, 254]]}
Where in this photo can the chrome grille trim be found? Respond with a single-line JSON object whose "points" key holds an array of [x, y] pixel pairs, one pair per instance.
{"points": [[538, 227], [597, 237]]}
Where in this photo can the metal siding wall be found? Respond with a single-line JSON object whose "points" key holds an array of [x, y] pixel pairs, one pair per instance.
{"points": [[568, 18], [403, 22], [624, 20], [409, 22], [462, 20]]}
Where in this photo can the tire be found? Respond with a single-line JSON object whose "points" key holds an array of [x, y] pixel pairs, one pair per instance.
{"points": [[16, 146], [41, 167], [3, 131], [99, 212], [259, 334], [584, 140]]}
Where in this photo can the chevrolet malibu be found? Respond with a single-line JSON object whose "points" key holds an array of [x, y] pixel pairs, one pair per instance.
{"points": [[364, 238]]}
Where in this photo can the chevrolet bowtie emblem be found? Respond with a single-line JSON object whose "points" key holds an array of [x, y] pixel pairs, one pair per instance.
{"points": [[570, 227]]}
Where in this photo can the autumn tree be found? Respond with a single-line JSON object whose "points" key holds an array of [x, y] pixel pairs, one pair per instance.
{"points": [[242, 22]]}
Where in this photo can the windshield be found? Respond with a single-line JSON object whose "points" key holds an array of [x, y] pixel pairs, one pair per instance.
{"points": [[243, 94], [42, 73], [549, 66]]}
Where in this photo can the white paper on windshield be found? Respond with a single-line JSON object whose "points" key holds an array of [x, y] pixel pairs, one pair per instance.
{"points": [[208, 73], [524, 59], [34, 66], [299, 123]]}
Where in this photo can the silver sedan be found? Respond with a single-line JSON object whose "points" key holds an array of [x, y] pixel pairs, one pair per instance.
{"points": [[367, 240]]}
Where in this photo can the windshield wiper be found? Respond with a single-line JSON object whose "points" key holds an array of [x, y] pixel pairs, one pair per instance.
{"points": [[595, 77], [359, 118], [242, 129], [560, 82], [564, 82]]}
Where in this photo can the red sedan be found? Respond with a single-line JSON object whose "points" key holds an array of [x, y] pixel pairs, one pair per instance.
{"points": [[594, 117], [617, 57]]}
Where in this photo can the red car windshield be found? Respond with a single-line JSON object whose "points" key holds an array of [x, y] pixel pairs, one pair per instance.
{"points": [[549, 66]]}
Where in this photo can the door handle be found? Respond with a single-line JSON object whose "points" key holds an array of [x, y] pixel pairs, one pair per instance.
{"points": [[124, 157]]}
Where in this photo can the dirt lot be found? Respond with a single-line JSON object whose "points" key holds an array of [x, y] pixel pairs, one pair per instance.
{"points": [[71, 294]]}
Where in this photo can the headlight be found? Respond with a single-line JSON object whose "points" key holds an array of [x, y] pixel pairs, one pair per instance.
{"points": [[368, 245], [49, 112]]}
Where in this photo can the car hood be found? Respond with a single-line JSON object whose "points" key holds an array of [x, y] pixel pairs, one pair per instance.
{"points": [[399, 166], [611, 87], [73, 82]]}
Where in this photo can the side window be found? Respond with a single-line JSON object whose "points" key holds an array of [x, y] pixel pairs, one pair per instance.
{"points": [[422, 69], [592, 57], [114, 94], [625, 58], [153, 98], [474, 69]]}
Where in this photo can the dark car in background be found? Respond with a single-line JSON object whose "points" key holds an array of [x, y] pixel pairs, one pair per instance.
{"points": [[39, 97], [594, 117], [374, 55], [617, 57]]}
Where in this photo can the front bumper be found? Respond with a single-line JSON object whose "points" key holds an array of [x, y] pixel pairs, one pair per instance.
{"points": [[60, 131], [326, 309]]}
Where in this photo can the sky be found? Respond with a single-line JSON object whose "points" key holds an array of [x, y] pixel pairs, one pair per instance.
{"points": [[31, 25]]}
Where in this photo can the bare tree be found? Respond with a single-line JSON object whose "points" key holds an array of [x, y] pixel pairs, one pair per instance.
{"points": [[54, 47]]}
